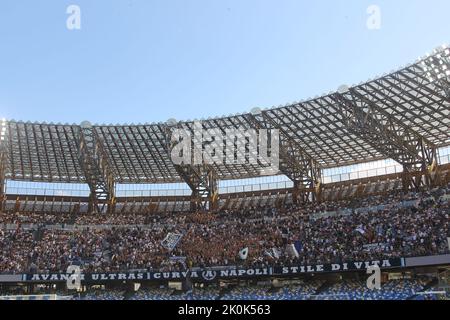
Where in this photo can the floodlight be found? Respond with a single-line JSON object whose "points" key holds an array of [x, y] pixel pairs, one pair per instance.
{"points": [[343, 89], [86, 125], [255, 111], [172, 122]]}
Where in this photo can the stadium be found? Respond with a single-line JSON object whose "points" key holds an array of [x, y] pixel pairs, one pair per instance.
{"points": [[363, 179]]}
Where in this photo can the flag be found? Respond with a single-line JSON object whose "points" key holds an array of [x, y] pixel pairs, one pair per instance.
{"points": [[298, 246], [361, 230], [177, 259], [243, 254], [171, 240], [291, 251], [276, 253], [269, 254]]}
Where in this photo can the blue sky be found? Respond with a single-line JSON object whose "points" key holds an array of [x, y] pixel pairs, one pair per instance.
{"points": [[137, 61]]}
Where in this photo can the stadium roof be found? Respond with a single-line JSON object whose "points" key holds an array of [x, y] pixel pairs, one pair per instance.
{"points": [[330, 130]]}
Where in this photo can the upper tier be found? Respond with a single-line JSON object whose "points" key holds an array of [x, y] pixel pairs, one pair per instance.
{"points": [[416, 97]]}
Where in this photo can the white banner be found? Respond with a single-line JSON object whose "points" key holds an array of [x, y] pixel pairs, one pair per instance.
{"points": [[171, 240]]}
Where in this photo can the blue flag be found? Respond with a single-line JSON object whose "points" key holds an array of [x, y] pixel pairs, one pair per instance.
{"points": [[298, 246]]}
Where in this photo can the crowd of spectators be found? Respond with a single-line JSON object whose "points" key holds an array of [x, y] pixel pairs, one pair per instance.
{"points": [[389, 229], [401, 289]]}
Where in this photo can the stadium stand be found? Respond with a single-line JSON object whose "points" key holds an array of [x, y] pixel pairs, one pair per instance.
{"points": [[415, 224], [377, 214], [354, 290], [402, 289]]}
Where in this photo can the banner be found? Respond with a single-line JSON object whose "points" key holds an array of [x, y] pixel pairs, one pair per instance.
{"points": [[291, 251], [339, 267], [201, 275], [211, 274], [298, 245], [171, 240], [377, 246]]}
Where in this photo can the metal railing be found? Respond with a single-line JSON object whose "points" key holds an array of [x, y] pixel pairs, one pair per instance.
{"points": [[361, 174], [175, 190]]}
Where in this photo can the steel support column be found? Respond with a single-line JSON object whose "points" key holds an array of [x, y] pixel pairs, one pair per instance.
{"points": [[203, 183], [94, 162], [198, 175], [295, 163], [393, 139]]}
